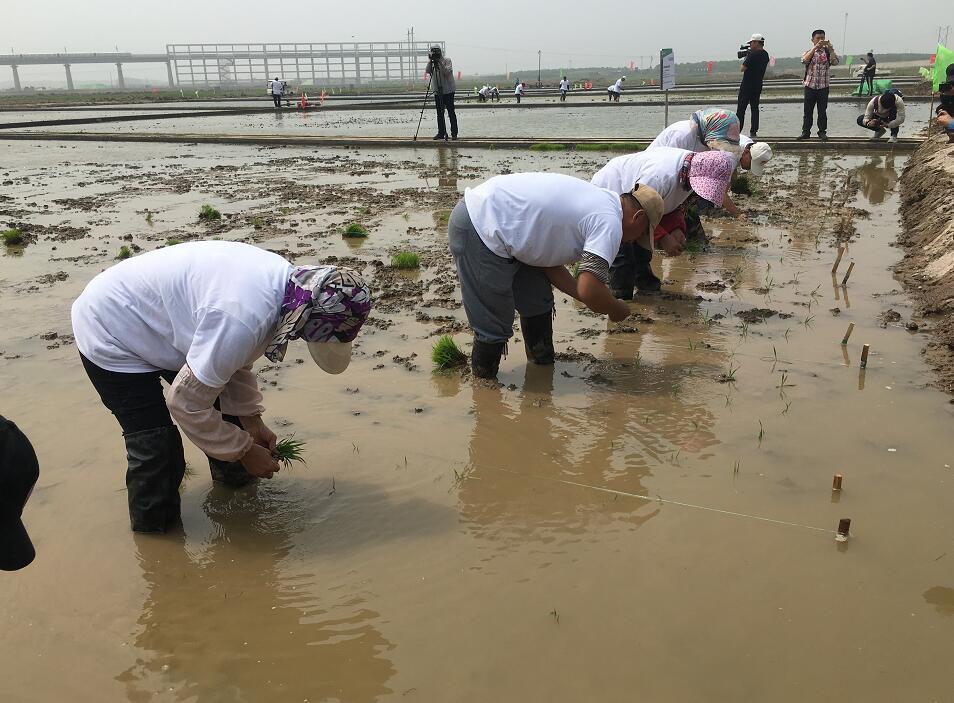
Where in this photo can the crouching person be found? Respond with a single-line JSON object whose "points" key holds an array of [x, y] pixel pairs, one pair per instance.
{"points": [[513, 236], [884, 112], [198, 315]]}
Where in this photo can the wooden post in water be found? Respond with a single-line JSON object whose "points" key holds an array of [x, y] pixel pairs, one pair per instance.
{"points": [[851, 266], [864, 356], [836, 482], [844, 525], [841, 251], [851, 327]]}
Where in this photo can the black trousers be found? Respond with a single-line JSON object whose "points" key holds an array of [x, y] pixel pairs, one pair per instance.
{"points": [[861, 87], [277, 99], [749, 97], [861, 123], [815, 98], [445, 102]]}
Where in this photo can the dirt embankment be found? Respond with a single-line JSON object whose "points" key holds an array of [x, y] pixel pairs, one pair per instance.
{"points": [[927, 216]]}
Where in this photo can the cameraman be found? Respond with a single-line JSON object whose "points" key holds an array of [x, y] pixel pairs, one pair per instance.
{"points": [[441, 70], [756, 59], [818, 62]]}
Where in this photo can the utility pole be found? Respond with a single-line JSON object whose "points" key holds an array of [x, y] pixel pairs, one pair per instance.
{"points": [[539, 58], [844, 33]]}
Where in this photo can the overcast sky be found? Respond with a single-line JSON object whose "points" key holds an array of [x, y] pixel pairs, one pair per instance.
{"points": [[486, 36]]}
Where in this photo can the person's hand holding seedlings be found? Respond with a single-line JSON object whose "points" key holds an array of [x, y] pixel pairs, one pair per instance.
{"points": [[261, 435], [259, 462]]}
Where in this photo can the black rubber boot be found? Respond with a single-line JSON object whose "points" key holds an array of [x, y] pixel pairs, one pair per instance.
{"points": [[622, 273], [695, 232], [485, 358], [538, 338], [231, 473], [156, 468], [646, 280]]}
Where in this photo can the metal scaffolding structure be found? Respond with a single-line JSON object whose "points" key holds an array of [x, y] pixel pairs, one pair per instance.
{"points": [[325, 63]]}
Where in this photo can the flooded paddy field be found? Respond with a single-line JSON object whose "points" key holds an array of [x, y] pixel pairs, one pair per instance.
{"points": [[616, 121], [650, 519]]}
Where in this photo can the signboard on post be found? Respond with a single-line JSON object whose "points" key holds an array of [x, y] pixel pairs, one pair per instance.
{"points": [[667, 75]]}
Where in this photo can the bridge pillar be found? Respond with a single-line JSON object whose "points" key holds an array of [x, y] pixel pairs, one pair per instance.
{"points": [[119, 74], [169, 72], [16, 78], [69, 77]]}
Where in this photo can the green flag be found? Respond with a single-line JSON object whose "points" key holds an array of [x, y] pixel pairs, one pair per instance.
{"points": [[849, 60], [942, 59]]}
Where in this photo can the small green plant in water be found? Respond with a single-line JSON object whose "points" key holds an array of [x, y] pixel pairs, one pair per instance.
{"points": [[149, 216], [442, 216], [547, 146], [288, 451], [406, 260], [124, 253], [355, 230], [446, 354], [209, 213], [741, 185], [609, 146], [257, 222], [12, 237], [172, 241]]}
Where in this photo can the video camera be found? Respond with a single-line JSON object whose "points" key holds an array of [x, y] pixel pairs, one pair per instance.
{"points": [[743, 51], [435, 53]]}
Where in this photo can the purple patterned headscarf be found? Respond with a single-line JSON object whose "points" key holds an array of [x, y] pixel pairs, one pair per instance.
{"points": [[321, 304]]}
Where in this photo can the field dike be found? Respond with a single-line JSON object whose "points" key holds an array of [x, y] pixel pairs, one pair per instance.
{"points": [[927, 269]]}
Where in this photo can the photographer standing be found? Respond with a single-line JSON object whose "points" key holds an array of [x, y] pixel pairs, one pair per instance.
{"points": [[818, 62], [868, 74], [756, 59], [441, 70]]}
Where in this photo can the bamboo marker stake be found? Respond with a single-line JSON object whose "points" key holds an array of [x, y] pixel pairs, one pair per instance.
{"points": [[844, 281], [851, 328], [841, 251], [836, 482], [843, 526], [864, 356]]}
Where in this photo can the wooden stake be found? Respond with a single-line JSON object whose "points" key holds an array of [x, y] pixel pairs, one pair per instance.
{"points": [[836, 482], [841, 251], [844, 281], [851, 328], [864, 356], [843, 526]]}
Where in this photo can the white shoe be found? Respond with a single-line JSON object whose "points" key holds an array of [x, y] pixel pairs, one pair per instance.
{"points": [[892, 140], [878, 134]]}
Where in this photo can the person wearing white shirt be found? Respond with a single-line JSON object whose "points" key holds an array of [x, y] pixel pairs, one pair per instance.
{"points": [[277, 88], [675, 174], [513, 236], [613, 91], [483, 93], [564, 89], [518, 91], [197, 315]]}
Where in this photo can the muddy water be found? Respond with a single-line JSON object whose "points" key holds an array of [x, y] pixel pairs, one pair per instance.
{"points": [[613, 528], [783, 120]]}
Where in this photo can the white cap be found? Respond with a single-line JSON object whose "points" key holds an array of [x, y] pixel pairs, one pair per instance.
{"points": [[761, 154], [757, 37], [333, 357]]}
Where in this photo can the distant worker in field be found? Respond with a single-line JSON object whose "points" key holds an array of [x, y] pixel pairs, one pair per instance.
{"points": [[753, 74], [818, 62], [512, 238], [868, 74], [613, 92], [564, 88], [494, 94], [198, 315], [483, 93], [441, 70], [675, 174], [518, 91], [884, 112], [277, 88]]}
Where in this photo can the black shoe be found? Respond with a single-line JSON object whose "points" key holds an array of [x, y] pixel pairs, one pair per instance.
{"points": [[485, 358], [538, 338], [156, 467], [454, 137], [823, 136], [802, 137], [622, 293], [231, 473], [753, 135], [438, 137]]}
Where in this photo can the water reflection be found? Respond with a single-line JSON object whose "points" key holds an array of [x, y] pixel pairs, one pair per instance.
{"points": [[447, 168], [878, 178], [229, 623]]}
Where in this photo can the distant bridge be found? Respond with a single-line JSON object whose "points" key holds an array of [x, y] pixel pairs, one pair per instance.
{"points": [[224, 65]]}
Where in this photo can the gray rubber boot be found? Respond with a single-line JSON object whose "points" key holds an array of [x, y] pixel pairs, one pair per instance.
{"points": [[155, 470], [538, 338]]}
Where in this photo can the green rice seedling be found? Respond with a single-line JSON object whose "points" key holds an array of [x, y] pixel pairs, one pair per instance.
{"points": [[736, 467], [257, 222], [610, 146], [288, 451], [442, 216], [209, 213], [547, 146], [355, 230], [446, 354], [728, 376], [808, 321], [741, 185], [172, 241], [406, 260], [761, 432], [12, 237], [124, 253], [575, 271], [784, 381], [406, 216], [149, 216]]}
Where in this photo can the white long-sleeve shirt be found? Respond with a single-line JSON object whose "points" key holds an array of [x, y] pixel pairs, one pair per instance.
{"points": [[874, 109]]}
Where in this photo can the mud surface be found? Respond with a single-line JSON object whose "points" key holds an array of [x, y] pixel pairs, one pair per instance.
{"points": [[928, 239], [650, 519]]}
